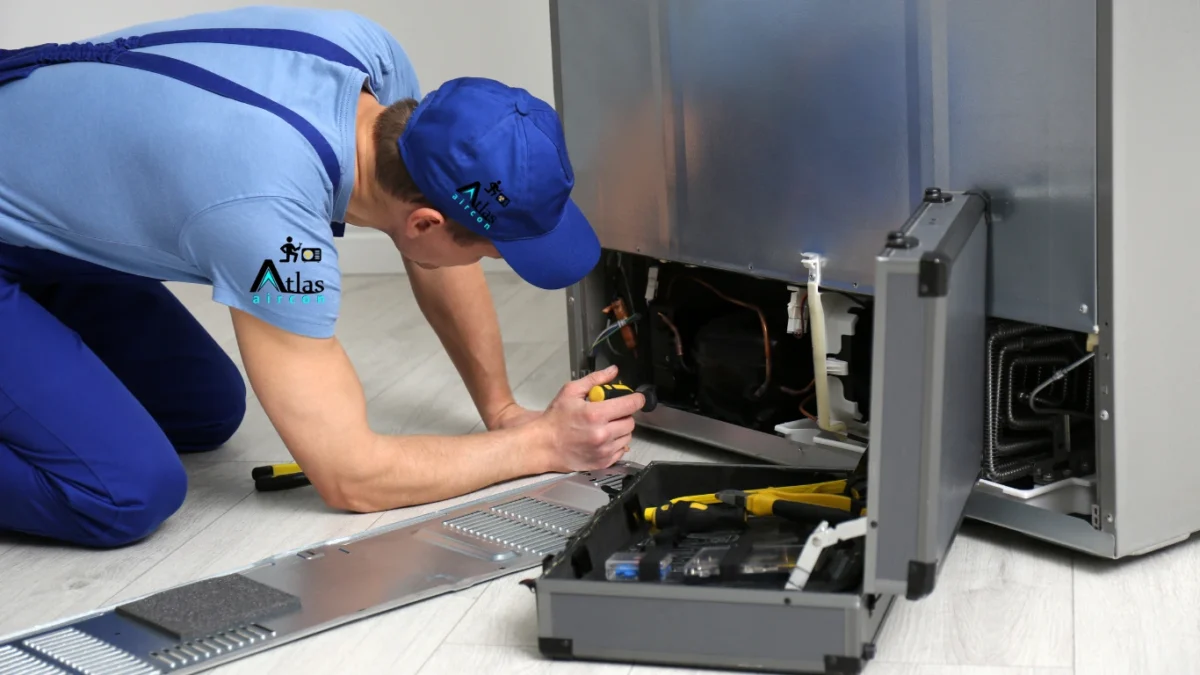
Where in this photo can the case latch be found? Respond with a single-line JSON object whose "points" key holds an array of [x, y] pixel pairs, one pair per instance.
{"points": [[822, 538]]}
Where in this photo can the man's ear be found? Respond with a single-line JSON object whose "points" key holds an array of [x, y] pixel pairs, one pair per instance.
{"points": [[422, 221]]}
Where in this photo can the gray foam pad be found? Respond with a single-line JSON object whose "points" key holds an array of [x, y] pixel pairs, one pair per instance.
{"points": [[211, 606]]}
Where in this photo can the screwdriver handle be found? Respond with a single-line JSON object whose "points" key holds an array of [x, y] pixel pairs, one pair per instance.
{"points": [[604, 392]]}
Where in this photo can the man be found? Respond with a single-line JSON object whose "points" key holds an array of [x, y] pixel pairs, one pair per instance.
{"points": [[227, 149]]}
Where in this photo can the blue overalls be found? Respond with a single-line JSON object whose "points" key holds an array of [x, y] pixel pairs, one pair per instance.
{"points": [[105, 376]]}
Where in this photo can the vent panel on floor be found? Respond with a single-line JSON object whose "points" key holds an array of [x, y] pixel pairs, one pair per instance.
{"points": [[527, 525], [614, 481], [87, 654], [13, 660], [195, 651], [552, 517]]}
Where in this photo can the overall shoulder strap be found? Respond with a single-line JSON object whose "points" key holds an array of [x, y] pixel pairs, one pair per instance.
{"points": [[273, 38]]}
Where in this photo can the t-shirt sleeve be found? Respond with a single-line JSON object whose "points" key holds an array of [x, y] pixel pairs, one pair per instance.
{"points": [[401, 75], [397, 78], [270, 257]]}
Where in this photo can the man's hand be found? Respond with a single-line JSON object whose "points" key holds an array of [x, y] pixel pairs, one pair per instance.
{"points": [[585, 436]]}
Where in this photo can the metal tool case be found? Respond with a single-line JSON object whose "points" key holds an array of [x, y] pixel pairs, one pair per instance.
{"points": [[928, 366], [732, 144], [731, 139]]}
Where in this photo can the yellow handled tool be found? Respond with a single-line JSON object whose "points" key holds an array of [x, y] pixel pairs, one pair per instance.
{"points": [[832, 501], [833, 487], [278, 477], [603, 392]]}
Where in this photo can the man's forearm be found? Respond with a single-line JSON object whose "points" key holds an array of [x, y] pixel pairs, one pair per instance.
{"points": [[408, 470], [458, 305]]}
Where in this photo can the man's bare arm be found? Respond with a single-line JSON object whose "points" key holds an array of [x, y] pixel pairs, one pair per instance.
{"points": [[458, 305], [313, 397]]}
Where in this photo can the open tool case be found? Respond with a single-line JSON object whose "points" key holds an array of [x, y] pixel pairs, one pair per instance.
{"points": [[739, 601]]}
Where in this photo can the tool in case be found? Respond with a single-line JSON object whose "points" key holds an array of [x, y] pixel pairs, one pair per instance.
{"points": [[780, 568]]}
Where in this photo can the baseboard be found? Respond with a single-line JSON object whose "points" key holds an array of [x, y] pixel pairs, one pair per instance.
{"points": [[363, 252]]}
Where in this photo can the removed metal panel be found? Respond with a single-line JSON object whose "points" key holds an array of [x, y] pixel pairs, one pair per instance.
{"points": [[336, 582]]}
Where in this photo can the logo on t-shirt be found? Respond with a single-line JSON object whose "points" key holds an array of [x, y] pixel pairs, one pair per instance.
{"points": [[293, 289], [468, 198]]}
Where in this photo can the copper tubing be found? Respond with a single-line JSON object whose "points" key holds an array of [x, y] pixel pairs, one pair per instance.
{"points": [[804, 411], [798, 392], [761, 318], [678, 340], [620, 314]]}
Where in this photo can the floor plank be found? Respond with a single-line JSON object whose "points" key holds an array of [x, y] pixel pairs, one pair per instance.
{"points": [[533, 315], [505, 615], [1002, 600], [1139, 616], [916, 669], [494, 660], [45, 581]]}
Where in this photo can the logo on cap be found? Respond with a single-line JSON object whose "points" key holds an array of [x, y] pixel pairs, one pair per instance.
{"points": [[467, 197]]}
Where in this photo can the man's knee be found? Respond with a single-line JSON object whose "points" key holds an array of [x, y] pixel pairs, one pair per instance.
{"points": [[149, 496], [215, 419]]}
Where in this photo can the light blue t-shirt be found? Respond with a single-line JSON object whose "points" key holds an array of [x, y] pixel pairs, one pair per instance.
{"points": [[148, 175]]}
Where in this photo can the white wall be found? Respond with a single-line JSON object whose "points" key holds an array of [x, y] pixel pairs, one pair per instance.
{"points": [[508, 41]]}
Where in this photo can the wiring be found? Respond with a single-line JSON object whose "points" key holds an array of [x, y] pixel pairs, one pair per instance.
{"points": [[846, 295], [761, 318], [628, 288], [610, 330]]}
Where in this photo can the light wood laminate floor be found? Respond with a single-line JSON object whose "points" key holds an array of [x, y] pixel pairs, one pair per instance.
{"points": [[1005, 605]]}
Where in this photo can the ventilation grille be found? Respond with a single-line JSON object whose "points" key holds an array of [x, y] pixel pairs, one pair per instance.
{"points": [[14, 661], [87, 654], [545, 515], [614, 481], [527, 525], [214, 645]]}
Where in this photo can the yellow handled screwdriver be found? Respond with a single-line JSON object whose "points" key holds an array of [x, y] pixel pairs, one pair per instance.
{"points": [[604, 392], [278, 477]]}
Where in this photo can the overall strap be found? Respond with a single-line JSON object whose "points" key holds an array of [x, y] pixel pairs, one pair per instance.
{"points": [[210, 81], [272, 38]]}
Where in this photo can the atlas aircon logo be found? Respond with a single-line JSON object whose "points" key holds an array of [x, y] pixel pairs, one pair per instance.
{"points": [[467, 197], [272, 288]]}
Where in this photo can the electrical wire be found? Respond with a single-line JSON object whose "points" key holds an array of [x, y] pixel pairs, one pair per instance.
{"points": [[846, 295], [610, 330], [761, 318], [628, 289]]}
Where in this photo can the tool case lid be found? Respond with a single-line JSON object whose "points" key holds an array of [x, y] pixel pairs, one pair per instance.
{"points": [[928, 375]]}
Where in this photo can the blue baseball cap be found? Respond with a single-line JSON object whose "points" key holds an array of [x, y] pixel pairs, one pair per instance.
{"points": [[493, 158]]}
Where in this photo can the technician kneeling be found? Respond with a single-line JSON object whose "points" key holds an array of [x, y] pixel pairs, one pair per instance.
{"points": [[228, 149]]}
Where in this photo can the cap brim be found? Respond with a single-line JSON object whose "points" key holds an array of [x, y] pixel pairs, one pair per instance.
{"points": [[559, 259]]}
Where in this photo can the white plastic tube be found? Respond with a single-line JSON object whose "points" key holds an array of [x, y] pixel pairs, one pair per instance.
{"points": [[816, 319]]}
